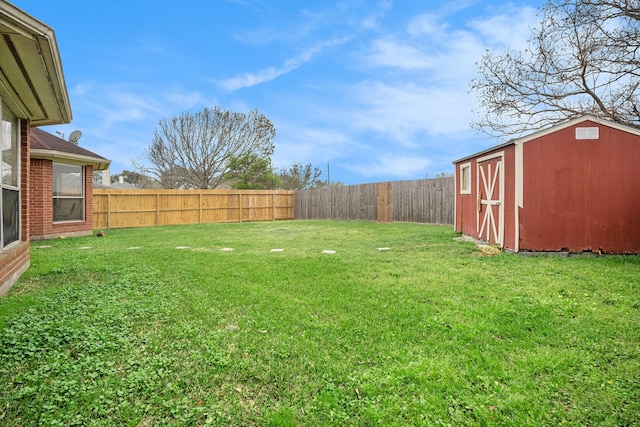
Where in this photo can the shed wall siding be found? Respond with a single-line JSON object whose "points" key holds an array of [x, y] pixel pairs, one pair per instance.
{"points": [[467, 204], [581, 195], [509, 201]]}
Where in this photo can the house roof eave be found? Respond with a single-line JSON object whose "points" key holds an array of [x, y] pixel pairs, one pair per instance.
{"points": [[31, 77], [70, 158]]}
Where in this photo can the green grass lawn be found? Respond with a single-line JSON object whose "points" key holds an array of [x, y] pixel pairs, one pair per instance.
{"points": [[130, 330]]}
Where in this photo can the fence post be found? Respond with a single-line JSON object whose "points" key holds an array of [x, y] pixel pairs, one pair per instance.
{"points": [[273, 202], [384, 202], [108, 211]]}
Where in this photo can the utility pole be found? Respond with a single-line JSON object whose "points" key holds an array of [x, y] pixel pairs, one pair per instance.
{"points": [[328, 175], [330, 191]]}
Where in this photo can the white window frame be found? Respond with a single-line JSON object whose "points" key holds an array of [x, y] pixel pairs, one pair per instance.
{"points": [[465, 184], [81, 197], [16, 134], [587, 133]]}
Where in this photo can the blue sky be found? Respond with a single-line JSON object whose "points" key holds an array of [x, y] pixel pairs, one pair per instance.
{"points": [[379, 90]]}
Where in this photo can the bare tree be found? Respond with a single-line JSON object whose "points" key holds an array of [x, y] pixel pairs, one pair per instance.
{"points": [[298, 177], [583, 59], [194, 150]]}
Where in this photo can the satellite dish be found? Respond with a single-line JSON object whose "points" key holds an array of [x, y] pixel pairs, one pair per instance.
{"points": [[75, 136]]}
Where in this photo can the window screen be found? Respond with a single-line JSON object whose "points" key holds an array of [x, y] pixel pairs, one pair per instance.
{"points": [[68, 192]]}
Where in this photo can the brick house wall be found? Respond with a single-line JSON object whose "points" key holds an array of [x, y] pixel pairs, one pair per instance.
{"points": [[42, 225], [41, 195], [15, 260]]}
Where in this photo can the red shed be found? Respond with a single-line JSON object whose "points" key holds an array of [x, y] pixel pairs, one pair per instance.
{"points": [[572, 187]]}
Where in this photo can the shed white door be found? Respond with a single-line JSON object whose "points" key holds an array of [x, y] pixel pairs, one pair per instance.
{"points": [[490, 219]]}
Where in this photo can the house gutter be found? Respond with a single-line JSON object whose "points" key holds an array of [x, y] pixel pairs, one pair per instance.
{"points": [[76, 159]]}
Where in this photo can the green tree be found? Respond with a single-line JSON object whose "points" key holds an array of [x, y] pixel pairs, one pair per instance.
{"points": [[251, 172], [298, 177]]}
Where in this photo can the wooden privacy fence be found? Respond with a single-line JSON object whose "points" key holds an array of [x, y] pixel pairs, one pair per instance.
{"points": [[425, 200], [114, 208]]}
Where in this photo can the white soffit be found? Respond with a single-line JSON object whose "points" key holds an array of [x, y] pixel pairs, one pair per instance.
{"points": [[31, 77]]}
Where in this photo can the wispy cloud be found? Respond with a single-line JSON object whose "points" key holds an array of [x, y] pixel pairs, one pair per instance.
{"points": [[372, 20], [429, 24], [434, 62], [393, 165], [390, 53], [407, 113], [252, 79], [511, 27], [312, 145], [283, 29], [255, 5], [113, 114], [185, 100], [415, 103], [82, 88]]}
